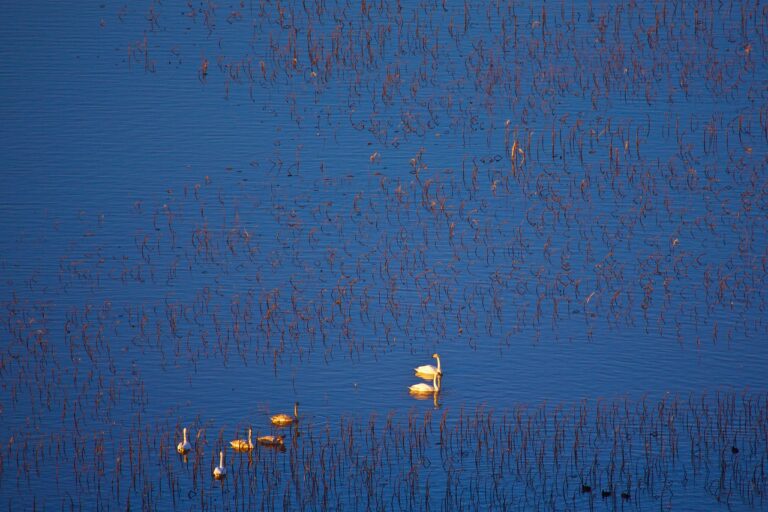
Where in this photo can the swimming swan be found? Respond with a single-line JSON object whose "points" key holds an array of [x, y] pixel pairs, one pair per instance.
{"points": [[283, 419], [220, 471], [184, 447], [241, 445], [428, 371], [421, 388], [271, 440]]}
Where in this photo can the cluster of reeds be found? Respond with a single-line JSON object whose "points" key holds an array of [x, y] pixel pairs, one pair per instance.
{"points": [[574, 214], [666, 452], [485, 172]]}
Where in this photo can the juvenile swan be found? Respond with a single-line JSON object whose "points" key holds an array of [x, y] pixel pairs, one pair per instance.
{"points": [[241, 445], [421, 388], [184, 447], [220, 471], [428, 371], [271, 440], [283, 419]]}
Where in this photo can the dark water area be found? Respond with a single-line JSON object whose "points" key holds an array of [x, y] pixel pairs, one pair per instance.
{"points": [[211, 211]]}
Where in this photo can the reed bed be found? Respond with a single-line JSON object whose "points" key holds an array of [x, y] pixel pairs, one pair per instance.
{"points": [[624, 453], [584, 187], [483, 174]]}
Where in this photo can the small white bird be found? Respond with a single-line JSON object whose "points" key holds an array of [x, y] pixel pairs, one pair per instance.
{"points": [[428, 371], [184, 447], [421, 388], [220, 471]]}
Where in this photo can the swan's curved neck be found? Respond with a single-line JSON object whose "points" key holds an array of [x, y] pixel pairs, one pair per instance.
{"points": [[185, 436], [295, 410], [221, 459], [438, 363], [249, 435]]}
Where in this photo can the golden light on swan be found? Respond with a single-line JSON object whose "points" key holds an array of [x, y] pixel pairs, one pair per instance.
{"points": [[282, 419], [184, 447], [428, 371], [421, 388], [271, 440], [220, 471], [241, 445]]}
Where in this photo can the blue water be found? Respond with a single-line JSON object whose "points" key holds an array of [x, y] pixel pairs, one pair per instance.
{"points": [[566, 202]]}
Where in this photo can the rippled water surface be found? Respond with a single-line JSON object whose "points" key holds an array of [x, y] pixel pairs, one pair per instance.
{"points": [[211, 211]]}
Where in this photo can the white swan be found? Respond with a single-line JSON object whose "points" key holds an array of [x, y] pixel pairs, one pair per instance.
{"points": [[241, 445], [283, 419], [428, 371], [220, 471], [184, 447], [421, 388]]}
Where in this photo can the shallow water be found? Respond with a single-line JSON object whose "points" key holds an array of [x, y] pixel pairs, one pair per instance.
{"points": [[212, 211]]}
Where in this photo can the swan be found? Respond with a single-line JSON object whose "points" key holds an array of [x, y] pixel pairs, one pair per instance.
{"points": [[184, 447], [241, 445], [283, 419], [428, 371], [422, 388], [271, 440], [220, 471]]}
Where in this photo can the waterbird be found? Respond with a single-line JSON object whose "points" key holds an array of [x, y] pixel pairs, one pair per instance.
{"points": [[241, 445], [428, 371], [270, 440], [283, 419], [184, 446], [422, 388], [220, 471]]}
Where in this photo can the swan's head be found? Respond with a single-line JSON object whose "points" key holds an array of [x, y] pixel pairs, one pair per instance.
{"points": [[435, 355]]}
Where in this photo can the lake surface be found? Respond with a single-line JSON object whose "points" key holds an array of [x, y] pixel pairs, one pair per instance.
{"points": [[211, 211]]}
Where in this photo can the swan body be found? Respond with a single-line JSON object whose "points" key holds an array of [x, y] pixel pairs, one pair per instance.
{"points": [[421, 388], [271, 440], [283, 419], [184, 447], [220, 471], [241, 445], [428, 371]]}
